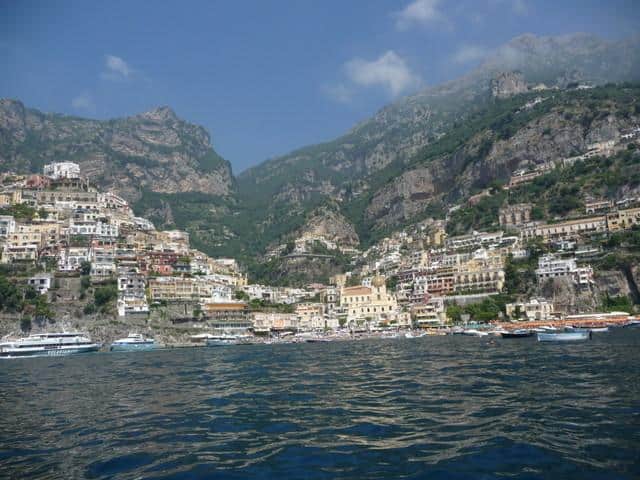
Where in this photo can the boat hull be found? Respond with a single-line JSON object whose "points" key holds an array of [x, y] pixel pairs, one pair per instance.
{"points": [[516, 335], [132, 347], [48, 352], [564, 337], [219, 343]]}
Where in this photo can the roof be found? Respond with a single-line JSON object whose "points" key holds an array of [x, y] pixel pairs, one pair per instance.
{"points": [[356, 291]]}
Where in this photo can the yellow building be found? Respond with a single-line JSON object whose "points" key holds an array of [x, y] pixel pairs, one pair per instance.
{"points": [[623, 219], [368, 302], [567, 228], [10, 198]]}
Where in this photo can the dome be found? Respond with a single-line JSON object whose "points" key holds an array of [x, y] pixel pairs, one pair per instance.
{"points": [[377, 281]]}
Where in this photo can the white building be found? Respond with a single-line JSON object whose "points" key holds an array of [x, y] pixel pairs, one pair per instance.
{"points": [[60, 170], [7, 225], [549, 266], [41, 282], [534, 309], [71, 258]]}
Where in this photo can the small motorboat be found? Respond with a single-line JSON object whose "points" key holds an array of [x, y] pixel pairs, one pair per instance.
{"points": [[520, 333], [599, 330], [564, 336], [472, 332]]}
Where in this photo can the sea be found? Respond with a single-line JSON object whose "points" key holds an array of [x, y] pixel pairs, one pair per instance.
{"points": [[449, 407]]}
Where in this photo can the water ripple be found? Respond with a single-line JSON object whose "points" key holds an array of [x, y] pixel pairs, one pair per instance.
{"points": [[444, 407]]}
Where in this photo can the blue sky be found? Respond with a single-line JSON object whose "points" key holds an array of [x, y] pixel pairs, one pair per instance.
{"points": [[265, 77]]}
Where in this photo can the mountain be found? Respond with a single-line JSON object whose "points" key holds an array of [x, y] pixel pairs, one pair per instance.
{"points": [[398, 131], [154, 151], [355, 169], [414, 159]]}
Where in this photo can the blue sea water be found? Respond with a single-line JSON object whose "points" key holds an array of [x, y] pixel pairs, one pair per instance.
{"points": [[433, 407]]}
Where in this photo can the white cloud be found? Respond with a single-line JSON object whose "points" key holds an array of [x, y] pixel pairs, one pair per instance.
{"points": [[84, 101], [419, 12], [469, 53], [389, 71], [117, 68]]}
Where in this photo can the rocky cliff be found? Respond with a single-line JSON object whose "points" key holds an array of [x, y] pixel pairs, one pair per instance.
{"points": [[507, 84], [330, 224], [153, 151]]}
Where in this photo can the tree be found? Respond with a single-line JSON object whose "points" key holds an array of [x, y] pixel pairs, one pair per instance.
{"points": [[85, 267]]}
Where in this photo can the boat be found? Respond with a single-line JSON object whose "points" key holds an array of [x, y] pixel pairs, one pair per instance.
{"points": [[599, 330], [222, 340], [544, 329], [48, 345], [564, 336], [474, 333], [317, 340], [587, 329], [520, 333], [133, 342], [632, 323]]}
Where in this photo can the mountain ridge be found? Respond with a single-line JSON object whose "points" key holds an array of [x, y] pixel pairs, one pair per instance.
{"points": [[153, 150]]}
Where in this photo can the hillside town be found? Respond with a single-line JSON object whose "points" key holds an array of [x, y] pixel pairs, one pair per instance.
{"points": [[62, 237]]}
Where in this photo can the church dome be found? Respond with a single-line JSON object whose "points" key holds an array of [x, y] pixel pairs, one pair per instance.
{"points": [[377, 281]]}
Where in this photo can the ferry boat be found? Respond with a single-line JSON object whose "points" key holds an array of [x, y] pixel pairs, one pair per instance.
{"points": [[133, 342], [48, 345]]}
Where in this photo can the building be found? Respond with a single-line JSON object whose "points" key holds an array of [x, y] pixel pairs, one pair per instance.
{"points": [[597, 206], [10, 197], [623, 219], [41, 282], [227, 317], [474, 240], [275, 322], [534, 309], [19, 253], [368, 303], [515, 215], [522, 176], [311, 316], [61, 170], [430, 313], [549, 266], [132, 298], [568, 228], [7, 225]]}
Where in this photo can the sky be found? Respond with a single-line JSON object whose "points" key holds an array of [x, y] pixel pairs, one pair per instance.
{"points": [[265, 77]]}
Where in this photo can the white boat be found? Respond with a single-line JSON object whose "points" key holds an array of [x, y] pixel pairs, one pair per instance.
{"points": [[48, 345], [599, 330], [475, 333], [222, 340], [564, 336], [133, 342]]}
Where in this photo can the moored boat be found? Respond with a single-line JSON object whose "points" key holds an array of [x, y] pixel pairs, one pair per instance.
{"points": [[520, 333], [48, 345], [133, 342], [472, 332], [222, 340], [564, 336]]}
